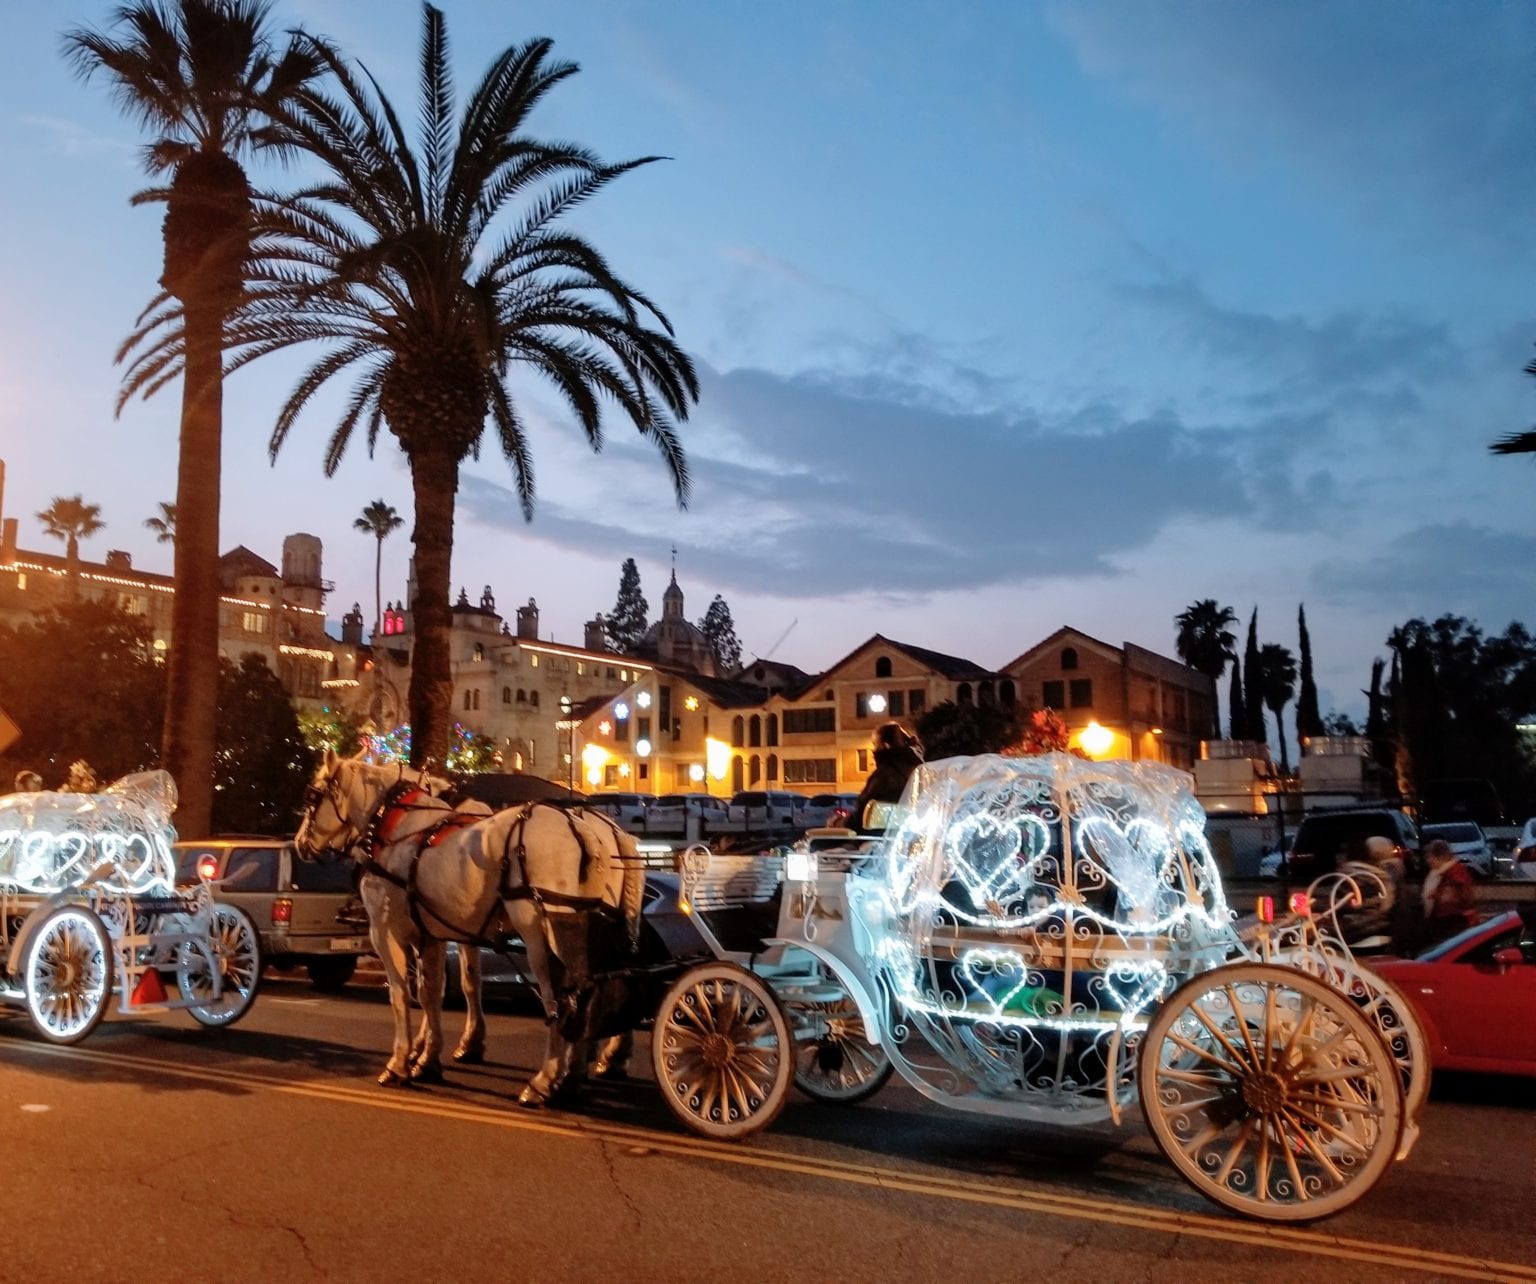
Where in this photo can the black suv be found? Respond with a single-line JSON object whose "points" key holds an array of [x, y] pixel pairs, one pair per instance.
{"points": [[1323, 837], [307, 912]]}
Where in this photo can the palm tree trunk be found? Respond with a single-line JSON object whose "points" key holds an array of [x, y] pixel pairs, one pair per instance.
{"points": [[1285, 761], [435, 483], [192, 678], [376, 703]]}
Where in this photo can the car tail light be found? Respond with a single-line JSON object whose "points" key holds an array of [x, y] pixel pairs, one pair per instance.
{"points": [[207, 866], [282, 910], [1266, 909], [1301, 903]]}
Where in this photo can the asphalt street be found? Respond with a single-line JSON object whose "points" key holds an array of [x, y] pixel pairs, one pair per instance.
{"points": [[157, 1150]]}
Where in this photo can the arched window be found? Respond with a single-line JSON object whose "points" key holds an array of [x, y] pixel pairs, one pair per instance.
{"points": [[754, 770], [1005, 692], [522, 696], [466, 700], [984, 691], [773, 767], [477, 697], [506, 695], [963, 693], [1069, 657], [755, 731], [479, 650], [737, 784], [773, 728], [738, 732], [883, 666], [533, 699]]}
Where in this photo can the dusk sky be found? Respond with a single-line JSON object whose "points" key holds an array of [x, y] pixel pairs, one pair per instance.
{"points": [[1008, 316]]}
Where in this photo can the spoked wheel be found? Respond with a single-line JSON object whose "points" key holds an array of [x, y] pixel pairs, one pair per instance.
{"points": [[722, 1051], [1270, 1092], [68, 975], [1398, 1025], [834, 1059], [234, 949]]}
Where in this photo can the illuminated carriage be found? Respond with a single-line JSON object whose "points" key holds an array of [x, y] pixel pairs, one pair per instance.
{"points": [[89, 909], [1047, 939]]}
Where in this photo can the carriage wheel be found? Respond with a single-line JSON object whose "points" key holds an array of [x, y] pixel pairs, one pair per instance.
{"points": [[68, 974], [834, 1059], [1398, 1025], [232, 947], [1270, 1092], [722, 1051]]}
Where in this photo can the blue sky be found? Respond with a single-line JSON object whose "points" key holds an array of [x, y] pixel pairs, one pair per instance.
{"points": [[1008, 316]]}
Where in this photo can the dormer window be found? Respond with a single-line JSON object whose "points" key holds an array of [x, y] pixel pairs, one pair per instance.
{"points": [[1069, 657]]}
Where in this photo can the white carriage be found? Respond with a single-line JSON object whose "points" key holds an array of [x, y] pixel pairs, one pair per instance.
{"points": [[90, 910], [1047, 939]]}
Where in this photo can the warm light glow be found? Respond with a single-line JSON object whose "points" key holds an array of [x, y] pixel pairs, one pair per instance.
{"points": [[877, 703], [643, 748], [696, 773], [310, 652], [691, 703], [623, 771], [644, 699], [621, 711], [1097, 740], [593, 759], [717, 756]]}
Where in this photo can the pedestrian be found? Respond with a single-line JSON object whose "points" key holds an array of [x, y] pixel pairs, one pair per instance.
{"points": [[28, 782], [898, 753], [1382, 921], [1449, 897]]}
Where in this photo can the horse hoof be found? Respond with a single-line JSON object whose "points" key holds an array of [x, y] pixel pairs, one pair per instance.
{"points": [[389, 1079], [472, 1056], [427, 1074]]}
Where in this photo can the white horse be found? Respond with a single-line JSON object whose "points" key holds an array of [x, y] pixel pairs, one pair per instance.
{"points": [[432, 874]]}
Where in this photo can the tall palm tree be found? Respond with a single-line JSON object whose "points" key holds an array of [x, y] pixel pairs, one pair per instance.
{"points": [[1277, 684], [1517, 443], [1207, 644], [203, 77], [379, 520], [163, 524], [71, 519], [434, 273]]}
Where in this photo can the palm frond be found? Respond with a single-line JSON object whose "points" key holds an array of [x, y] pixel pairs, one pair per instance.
{"points": [[1515, 443]]}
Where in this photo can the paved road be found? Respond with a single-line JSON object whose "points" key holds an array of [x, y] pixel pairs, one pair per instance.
{"points": [[157, 1150]]}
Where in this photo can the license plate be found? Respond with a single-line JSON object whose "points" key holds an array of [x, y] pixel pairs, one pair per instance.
{"points": [[349, 943]]}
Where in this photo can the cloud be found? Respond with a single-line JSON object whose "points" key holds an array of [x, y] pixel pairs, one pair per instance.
{"points": [[807, 486], [1469, 570]]}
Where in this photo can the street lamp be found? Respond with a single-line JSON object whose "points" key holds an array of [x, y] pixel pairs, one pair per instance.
{"points": [[567, 724]]}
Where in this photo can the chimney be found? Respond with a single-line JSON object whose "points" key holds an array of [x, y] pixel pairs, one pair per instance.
{"points": [[596, 634], [119, 560], [8, 542], [352, 626], [528, 621]]}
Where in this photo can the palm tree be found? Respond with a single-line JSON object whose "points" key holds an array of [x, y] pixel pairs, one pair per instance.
{"points": [[1277, 684], [1206, 643], [1517, 443], [163, 525], [379, 520], [71, 519], [433, 274], [202, 76]]}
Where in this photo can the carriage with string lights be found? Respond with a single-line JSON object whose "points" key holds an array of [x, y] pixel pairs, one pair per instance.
{"points": [[1047, 939], [90, 913]]}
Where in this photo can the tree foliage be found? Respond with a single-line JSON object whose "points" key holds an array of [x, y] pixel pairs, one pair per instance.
{"points": [[262, 763], [952, 728], [1044, 731], [1277, 684], [1205, 642], [1309, 720], [1253, 684], [627, 622], [720, 629]]}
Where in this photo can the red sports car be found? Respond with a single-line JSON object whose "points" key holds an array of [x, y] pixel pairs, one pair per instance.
{"points": [[1476, 994]]}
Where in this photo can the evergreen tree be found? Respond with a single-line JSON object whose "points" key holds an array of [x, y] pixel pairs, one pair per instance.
{"points": [[1205, 643], [1236, 709], [1309, 721], [720, 629], [1253, 687], [627, 621]]}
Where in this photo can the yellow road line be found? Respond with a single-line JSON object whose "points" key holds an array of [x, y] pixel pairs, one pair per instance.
{"points": [[1024, 1197]]}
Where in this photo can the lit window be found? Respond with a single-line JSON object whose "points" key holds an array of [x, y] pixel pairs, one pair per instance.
{"points": [[533, 661], [253, 622]]}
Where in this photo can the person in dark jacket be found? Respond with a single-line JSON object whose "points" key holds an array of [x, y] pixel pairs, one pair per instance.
{"points": [[1450, 899], [898, 753]]}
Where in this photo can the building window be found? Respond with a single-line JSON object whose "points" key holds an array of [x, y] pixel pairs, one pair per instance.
{"points": [[479, 650], [506, 695], [800, 721], [773, 767], [581, 667], [522, 696], [621, 730], [253, 622], [1069, 657], [883, 667], [477, 697], [917, 701], [754, 770], [773, 729], [1005, 693], [896, 704], [533, 699], [755, 731], [963, 693], [810, 771], [1082, 693], [642, 729], [466, 701], [984, 691], [861, 705], [533, 660], [738, 732], [863, 761], [1053, 695]]}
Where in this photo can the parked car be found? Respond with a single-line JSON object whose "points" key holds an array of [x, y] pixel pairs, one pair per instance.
{"points": [[1468, 844], [1323, 835], [759, 809], [671, 813], [629, 810], [307, 912], [827, 809], [1525, 845], [1476, 995]]}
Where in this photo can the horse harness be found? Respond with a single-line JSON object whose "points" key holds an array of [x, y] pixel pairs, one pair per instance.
{"points": [[405, 797]]}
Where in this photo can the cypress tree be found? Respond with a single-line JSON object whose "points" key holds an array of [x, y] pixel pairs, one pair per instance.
{"points": [[1309, 721], [627, 621], [1235, 706], [1253, 688]]}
